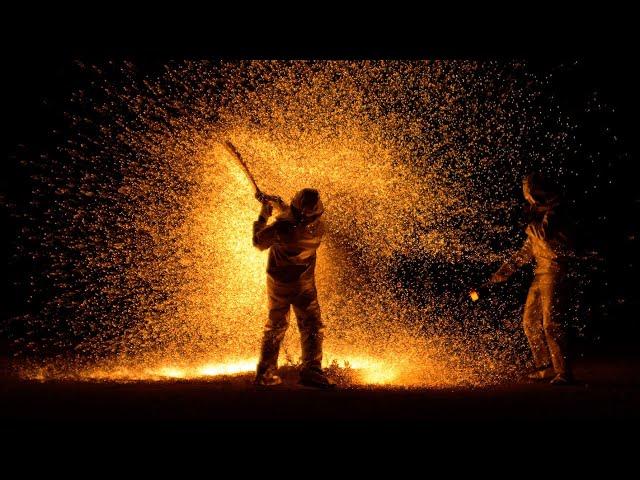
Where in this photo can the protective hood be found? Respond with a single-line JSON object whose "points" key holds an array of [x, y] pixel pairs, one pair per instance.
{"points": [[544, 192], [307, 204]]}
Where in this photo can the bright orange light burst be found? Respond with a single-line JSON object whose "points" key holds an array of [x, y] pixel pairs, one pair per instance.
{"points": [[389, 145]]}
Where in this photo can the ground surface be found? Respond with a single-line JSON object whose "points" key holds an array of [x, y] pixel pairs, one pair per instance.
{"points": [[607, 389]]}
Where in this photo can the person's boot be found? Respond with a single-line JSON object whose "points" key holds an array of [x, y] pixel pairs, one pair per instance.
{"points": [[267, 378], [315, 377], [543, 373]]}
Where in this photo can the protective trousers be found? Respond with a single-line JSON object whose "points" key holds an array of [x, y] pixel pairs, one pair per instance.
{"points": [[303, 297], [544, 322]]}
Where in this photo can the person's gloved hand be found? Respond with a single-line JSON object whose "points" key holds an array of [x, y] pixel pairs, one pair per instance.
{"points": [[279, 202], [498, 277], [268, 202], [266, 211], [273, 199], [261, 197]]}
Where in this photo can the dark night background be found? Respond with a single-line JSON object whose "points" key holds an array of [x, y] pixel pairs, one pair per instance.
{"points": [[593, 61]]}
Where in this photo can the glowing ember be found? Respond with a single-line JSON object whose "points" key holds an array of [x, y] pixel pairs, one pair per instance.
{"points": [[150, 240], [474, 295]]}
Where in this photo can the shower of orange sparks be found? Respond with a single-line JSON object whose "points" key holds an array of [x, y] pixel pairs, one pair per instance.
{"points": [[225, 285], [206, 320]]}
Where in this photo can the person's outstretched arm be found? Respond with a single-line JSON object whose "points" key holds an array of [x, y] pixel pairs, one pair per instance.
{"points": [[517, 260]]}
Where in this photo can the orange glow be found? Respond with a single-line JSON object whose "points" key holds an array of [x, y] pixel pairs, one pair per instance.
{"points": [[222, 294], [217, 369], [377, 139], [367, 371]]}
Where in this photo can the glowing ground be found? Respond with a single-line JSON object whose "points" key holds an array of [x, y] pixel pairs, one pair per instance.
{"points": [[361, 370], [348, 371], [607, 389]]}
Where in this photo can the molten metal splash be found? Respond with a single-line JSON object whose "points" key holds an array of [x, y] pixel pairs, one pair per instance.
{"points": [[170, 285]]}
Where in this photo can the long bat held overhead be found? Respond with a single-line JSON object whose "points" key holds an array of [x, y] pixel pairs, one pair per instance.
{"points": [[260, 195], [236, 154]]}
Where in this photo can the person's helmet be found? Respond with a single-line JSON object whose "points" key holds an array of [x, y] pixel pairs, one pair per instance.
{"points": [[541, 190], [306, 205]]}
